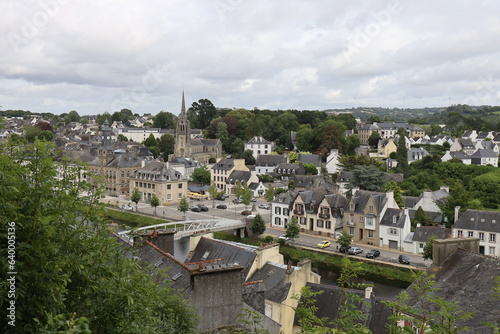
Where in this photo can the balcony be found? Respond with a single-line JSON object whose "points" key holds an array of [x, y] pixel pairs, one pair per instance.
{"points": [[324, 215], [298, 212]]}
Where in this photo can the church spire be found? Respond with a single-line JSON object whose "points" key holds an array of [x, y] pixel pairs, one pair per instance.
{"points": [[183, 106]]}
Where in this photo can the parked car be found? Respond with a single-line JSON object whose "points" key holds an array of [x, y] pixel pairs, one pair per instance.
{"points": [[284, 237], [237, 201], [324, 244], [343, 249], [264, 206], [404, 259], [194, 208], [373, 254], [246, 212], [355, 250], [221, 206], [220, 198], [253, 199], [203, 207]]}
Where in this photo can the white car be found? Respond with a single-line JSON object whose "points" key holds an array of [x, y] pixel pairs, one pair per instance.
{"points": [[355, 250], [264, 206]]}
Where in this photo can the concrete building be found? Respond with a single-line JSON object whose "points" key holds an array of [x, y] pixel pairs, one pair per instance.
{"points": [[222, 169], [258, 145]]}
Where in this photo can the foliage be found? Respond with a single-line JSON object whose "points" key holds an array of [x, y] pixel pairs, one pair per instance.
{"points": [[66, 259], [249, 158], [348, 163], [136, 196], [68, 324], [345, 240], [291, 184], [293, 229], [352, 143], [214, 193], [269, 194], [367, 178], [201, 175], [166, 144], [121, 137], [398, 193], [246, 195], [183, 206], [154, 202], [374, 139], [427, 255], [164, 120], [258, 225], [205, 112], [402, 155], [421, 218], [33, 133], [150, 141], [310, 169], [293, 157], [129, 219]]}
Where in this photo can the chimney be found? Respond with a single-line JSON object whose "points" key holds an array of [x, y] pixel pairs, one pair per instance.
{"points": [[368, 292], [457, 211]]}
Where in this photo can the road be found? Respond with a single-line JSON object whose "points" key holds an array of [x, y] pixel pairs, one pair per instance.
{"points": [[233, 211]]}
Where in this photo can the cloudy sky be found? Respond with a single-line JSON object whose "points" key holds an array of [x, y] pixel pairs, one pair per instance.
{"points": [[94, 56]]}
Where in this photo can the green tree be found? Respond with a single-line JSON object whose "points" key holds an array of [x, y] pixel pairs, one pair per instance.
{"points": [[214, 193], [293, 157], [421, 218], [183, 206], [246, 195], [269, 194], [164, 120], [121, 137], [348, 163], [367, 178], [67, 262], [249, 158], [258, 225], [33, 133], [398, 193], [291, 184], [201, 175], [310, 169], [205, 111], [154, 202], [352, 143], [136, 197], [166, 145], [151, 141], [373, 139], [73, 115], [402, 153], [427, 254], [293, 229], [345, 240]]}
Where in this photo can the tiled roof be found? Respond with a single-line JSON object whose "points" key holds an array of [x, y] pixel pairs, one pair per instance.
{"points": [[479, 220], [274, 277], [423, 233]]}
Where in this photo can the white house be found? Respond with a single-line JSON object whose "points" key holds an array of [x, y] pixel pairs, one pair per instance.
{"points": [[267, 163], [332, 162], [484, 158], [280, 209], [259, 145], [394, 227], [466, 159]]}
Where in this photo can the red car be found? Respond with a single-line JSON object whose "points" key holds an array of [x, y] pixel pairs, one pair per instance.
{"points": [[246, 212]]}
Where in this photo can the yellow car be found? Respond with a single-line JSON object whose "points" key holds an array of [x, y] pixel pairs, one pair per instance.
{"points": [[324, 244]]}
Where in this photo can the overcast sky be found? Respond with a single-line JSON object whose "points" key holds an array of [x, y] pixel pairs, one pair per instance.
{"points": [[94, 56]]}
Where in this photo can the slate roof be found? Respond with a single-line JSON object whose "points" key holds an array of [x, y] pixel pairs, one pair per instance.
{"points": [[238, 175], [410, 201], [467, 279], [273, 275], [459, 155], [159, 171], [436, 217], [423, 233], [258, 140], [328, 304], [224, 164], [465, 143], [390, 215], [484, 154], [479, 220], [270, 160], [314, 159], [361, 197], [230, 253]]}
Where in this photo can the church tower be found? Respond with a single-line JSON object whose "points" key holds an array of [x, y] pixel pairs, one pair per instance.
{"points": [[182, 134]]}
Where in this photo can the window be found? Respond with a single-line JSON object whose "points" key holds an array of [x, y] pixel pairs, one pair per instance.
{"points": [[470, 234], [361, 219], [320, 223], [370, 234], [328, 224], [370, 221], [492, 250], [370, 208], [351, 219], [180, 185], [351, 230], [460, 233], [169, 196], [285, 211], [421, 245], [277, 210], [393, 231], [302, 220], [277, 221], [493, 237], [481, 236]]}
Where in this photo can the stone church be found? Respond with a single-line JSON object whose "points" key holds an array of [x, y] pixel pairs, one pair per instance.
{"points": [[198, 149]]}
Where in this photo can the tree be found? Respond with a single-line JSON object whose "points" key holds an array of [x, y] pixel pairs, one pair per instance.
{"points": [[67, 262], [73, 115], [214, 193], [427, 254], [293, 157], [32, 133], [310, 169], [183, 206], [269, 194], [121, 137], [373, 139], [291, 184], [398, 193], [258, 225], [402, 153], [348, 163], [201, 175], [154, 202], [352, 143], [421, 218], [151, 141], [249, 158], [367, 178], [136, 197], [166, 145], [246, 195], [205, 111], [164, 120], [345, 240], [293, 229]]}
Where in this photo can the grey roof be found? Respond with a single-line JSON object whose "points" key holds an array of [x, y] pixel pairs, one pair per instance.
{"points": [[184, 161], [344, 176], [484, 154], [327, 305], [158, 171], [285, 198], [122, 161], [413, 153], [396, 177], [270, 160], [275, 284], [479, 220], [393, 218], [238, 175], [361, 197], [410, 201], [465, 143], [469, 280], [436, 217], [224, 164], [423, 233], [258, 140], [314, 159], [459, 155], [230, 253]]}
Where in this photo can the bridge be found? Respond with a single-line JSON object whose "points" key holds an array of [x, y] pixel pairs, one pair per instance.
{"points": [[188, 227]]}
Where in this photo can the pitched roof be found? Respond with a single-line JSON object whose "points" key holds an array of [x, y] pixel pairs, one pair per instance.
{"points": [[270, 160], [479, 220], [238, 175], [314, 159], [273, 276], [361, 197], [258, 140], [393, 218], [467, 279], [484, 154], [423, 233]]}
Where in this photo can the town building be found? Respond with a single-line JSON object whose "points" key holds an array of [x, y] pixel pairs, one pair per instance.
{"points": [[481, 224], [258, 145], [222, 169], [388, 130]]}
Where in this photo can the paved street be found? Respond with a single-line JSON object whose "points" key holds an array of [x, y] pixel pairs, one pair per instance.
{"points": [[233, 211]]}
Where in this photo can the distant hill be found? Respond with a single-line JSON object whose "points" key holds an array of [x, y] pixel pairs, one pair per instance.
{"points": [[392, 114]]}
